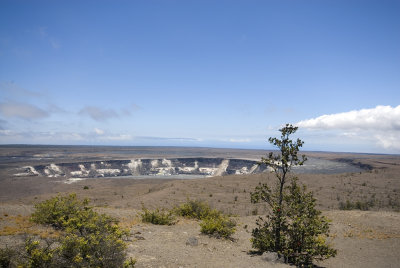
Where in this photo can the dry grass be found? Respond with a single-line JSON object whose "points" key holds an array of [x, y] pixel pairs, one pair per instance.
{"points": [[21, 225], [370, 234], [128, 223]]}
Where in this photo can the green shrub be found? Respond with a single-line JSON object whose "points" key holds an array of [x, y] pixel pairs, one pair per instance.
{"points": [[129, 263], [213, 222], [303, 230], [220, 226], [90, 240], [159, 217], [195, 209], [7, 256], [348, 205], [306, 228], [58, 210], [92, 250], [37, 255]]}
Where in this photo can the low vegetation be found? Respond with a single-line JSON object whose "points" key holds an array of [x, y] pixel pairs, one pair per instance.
{"points": [[361, 205], [7, 256], [196, 209], [89, 239], [213, 222], [62, 211], [219, 226], [158, 217]]}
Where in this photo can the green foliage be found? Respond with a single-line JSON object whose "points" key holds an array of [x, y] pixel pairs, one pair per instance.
{"points": [[129, 263], [213, 222], [6, 257], [195, 209], [58, 210], [288, 157], [159, 217], [91, 239], [37, 255], [92, 250], [219, 226], [307, 229], [294, 228]]}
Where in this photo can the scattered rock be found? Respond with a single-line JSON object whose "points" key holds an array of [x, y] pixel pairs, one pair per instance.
{"points": [[192, 241], [139, 237], [272, 257]]}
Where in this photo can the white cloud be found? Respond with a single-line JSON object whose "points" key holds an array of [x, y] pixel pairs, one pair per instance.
{"points": [[99, 131], [120, 137], [62, 137], [22, 110], [389, 140], [6, 132], [378, 118], [101, 114], [380, 125], [240, 140], [98, 114], [42, 137], [17, 102]]}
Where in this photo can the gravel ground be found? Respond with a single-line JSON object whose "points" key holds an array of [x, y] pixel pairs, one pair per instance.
{"points": [[362, 238]]}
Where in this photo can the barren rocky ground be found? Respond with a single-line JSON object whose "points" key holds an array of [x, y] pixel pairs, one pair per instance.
{"points": [[363, 238]]}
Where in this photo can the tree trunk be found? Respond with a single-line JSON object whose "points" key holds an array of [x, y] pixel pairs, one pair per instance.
{"points": [[278, 229]]}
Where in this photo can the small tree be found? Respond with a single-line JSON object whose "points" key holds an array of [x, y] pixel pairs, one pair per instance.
{"points": [[294, 228]]}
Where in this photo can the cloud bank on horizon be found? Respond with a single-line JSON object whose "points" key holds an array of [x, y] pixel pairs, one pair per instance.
{"points": [[379, 126], [381, 123]]}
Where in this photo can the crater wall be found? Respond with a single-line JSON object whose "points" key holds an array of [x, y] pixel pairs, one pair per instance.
{"points": [[144, 167]]}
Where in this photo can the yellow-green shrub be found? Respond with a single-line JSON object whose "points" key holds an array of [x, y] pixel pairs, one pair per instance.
{"points": [[36, 255], [91, 239], [196, 209], [220, 226], [213, 222], [159, 217], [57, 211]]}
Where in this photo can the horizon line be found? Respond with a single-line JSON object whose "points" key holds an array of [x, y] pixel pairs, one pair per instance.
{"points": [[178, 146]]}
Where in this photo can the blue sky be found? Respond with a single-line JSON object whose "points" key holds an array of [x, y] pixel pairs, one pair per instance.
{"points": [[201, 73]]}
